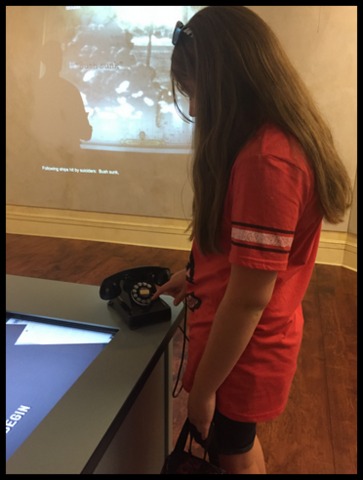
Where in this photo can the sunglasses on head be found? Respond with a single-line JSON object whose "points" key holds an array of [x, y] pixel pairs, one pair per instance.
{"points": [[179, 28]]}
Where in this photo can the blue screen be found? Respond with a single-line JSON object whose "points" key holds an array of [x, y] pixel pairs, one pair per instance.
{"points": [[43, 360]]}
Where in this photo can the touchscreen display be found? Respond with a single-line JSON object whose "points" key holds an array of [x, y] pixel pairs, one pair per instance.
{"points": [[43, 360]]}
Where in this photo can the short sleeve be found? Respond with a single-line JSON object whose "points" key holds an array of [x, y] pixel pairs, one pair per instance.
{"points": [[267, 196]]}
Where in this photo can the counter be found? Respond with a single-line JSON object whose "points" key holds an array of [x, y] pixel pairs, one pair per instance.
{"points": [[116, 418]]}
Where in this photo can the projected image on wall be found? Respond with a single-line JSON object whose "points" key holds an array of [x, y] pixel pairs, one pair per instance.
{"points": [[119, 59], [90, 120]]}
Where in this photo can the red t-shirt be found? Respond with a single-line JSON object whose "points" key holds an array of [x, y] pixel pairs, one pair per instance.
{"points": [[272, 221]]}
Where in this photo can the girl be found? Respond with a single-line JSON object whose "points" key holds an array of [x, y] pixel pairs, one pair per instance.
{"points": [[265, 173]]}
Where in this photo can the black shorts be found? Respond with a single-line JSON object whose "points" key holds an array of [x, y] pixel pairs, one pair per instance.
{"points": [[232, 437]]}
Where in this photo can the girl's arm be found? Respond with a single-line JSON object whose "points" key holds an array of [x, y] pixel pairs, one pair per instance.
{"points": [[248, 293]]}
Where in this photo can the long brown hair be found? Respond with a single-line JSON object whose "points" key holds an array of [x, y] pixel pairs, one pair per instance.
{"points": [[242, 78]]}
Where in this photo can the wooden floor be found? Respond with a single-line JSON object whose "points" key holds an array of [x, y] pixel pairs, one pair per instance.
{"points": [[317, 433]]}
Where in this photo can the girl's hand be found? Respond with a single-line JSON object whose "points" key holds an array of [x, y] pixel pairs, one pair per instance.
{"points": [[175, 287]]}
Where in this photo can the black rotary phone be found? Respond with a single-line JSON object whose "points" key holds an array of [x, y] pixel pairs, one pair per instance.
{"points": [[129, 292]]}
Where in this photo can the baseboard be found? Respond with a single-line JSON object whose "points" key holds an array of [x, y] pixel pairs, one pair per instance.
{"points": [[101, 227], [338, 248], [335, 248]]}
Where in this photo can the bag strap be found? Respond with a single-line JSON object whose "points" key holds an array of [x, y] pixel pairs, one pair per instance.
{"points": [[183, 437], [208, 445]]}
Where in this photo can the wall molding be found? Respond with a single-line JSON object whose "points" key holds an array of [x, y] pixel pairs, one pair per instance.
{"points": [[102, 227], [335, 248], [338, 248]]}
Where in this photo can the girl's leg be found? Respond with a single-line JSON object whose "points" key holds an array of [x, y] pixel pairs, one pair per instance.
{"points": [[243, 463]]}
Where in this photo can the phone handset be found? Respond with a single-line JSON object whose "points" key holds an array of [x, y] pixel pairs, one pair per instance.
{"points": [[139, 283]]}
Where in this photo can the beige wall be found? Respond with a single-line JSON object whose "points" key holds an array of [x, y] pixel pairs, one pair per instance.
{"points": [[321, 41]]}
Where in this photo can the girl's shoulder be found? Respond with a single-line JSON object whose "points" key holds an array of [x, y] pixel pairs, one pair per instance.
{"points": [[271, 141]]}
